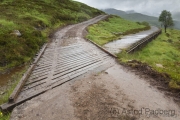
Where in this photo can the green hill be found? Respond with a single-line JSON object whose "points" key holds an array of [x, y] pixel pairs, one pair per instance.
{"points": [[138, 17], [35, 20], [114, 12]]}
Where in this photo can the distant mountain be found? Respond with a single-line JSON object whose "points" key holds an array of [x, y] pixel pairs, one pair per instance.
{"points": [[177, 24], [114, 12], [133, 16], [131, 11], [138, 17], [141, 17], [176, 17]]}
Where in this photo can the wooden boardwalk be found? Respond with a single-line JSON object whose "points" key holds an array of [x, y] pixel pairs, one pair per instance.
{"points": [[61, 65]]}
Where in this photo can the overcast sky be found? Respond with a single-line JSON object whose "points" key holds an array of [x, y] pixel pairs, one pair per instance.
{"points": [[152, 7]]}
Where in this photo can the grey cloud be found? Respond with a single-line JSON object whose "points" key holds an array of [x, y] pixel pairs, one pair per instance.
{"points": [[152, 7]]}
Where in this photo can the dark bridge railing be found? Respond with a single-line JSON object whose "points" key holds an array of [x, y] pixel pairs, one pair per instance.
{"points": [[140, 44]]}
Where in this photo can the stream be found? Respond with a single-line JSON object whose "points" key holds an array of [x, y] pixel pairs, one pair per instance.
{"points": [[7, 78]]}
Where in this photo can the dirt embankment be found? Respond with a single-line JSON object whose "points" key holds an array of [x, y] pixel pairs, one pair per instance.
{"points": [[156, 79]]}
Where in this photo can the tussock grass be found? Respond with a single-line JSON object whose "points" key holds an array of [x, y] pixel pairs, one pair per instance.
{"points": [[164, 50], [113, 28]]}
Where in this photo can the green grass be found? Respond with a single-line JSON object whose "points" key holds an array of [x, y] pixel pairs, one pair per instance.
{"points": [[4, 116], [35, 19], [9, 89], [14, 81], [164, 50], [112, 29]]}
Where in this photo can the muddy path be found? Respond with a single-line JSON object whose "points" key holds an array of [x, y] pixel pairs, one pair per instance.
{"points": [[102, 90]]}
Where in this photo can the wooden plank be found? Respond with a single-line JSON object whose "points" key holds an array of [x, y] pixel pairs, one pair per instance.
{"points": [[72, 64], [41, 68], [78, 58], [140, 43], [7, 107], [39, 78], [18, 88], [37, 72], [76, 68], [33, 85], [111, 54]]}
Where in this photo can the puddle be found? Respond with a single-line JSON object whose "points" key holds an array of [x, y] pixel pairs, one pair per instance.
{"points": [[126, 41], [4, 78]]}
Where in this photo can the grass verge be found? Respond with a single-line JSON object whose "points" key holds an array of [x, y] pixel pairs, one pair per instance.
{"points": [[113, 28], [162, 55], [11, 85], [4, 117], [9, 89]]}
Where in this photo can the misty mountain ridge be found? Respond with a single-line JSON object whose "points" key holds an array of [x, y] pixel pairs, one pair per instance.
{"points": [[140, 17], [130, 11], [176, 16]]}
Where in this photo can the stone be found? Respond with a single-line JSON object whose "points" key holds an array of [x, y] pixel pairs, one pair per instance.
{"points": [[106, 72], [16, 33], [2, 93], [159, 65]]}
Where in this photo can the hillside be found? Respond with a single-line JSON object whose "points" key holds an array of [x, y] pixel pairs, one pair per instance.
{"points": [[25, 26], [134, 16], [141, 17], [114, 12], [177, 24]]}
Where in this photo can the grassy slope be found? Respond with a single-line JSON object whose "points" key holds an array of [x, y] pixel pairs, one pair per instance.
{"points": [[111, 29], [164, 50], [35, 20]]}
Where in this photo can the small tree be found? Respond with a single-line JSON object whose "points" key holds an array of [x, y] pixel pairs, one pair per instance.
{"points": [[166, 19]]}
